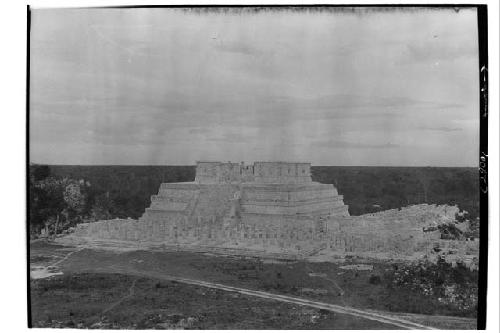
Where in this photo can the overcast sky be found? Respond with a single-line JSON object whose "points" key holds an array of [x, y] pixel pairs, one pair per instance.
{"points": [[169, 86]]}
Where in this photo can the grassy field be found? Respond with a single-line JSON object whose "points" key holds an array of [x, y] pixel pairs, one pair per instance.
{"points": [[316, 281], [120, 301], [311, 280]]}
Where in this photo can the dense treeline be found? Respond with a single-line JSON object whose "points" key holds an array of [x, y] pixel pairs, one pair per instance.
{"points": [[62, 196], [129, 187], [56, 203], [125, 191], [372, 189]]}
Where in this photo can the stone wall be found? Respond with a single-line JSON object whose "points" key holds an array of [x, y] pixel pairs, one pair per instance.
{"points": [[282, 172], [259, 172], [214, 201], [217, 172], [172, 199], [394, 233], [206, 172], [292, 199]]}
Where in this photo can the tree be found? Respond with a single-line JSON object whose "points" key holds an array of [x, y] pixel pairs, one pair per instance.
{"points": [[425, 181], [47, 202], [102, 208], [74, 201], [39, 172], [54, 201]]}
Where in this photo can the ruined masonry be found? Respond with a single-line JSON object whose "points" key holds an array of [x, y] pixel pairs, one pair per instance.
{"points": [[273, 208]]}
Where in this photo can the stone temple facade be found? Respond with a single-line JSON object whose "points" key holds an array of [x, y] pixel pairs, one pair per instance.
{"points": [[272, 208]]}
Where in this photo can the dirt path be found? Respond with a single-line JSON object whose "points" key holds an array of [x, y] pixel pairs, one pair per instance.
{"points": [[115, 304], [66, 257], [370, 315], [339, 289], [44, 271], [401, 323]]}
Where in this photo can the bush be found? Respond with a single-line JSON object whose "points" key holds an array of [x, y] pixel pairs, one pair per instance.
{"points": [[452, 287], [374, 279]]}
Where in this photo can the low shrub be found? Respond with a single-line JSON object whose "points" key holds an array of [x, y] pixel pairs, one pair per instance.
{"points": [[453, 287], [374, 279]]}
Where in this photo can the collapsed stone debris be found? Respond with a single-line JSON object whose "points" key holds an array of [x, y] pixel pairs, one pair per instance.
{"points": [[275, 208]]}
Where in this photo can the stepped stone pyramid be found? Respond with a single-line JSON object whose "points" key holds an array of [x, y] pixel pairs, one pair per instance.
{"points": [[232, 204], [265, 190], [266, 206]]}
